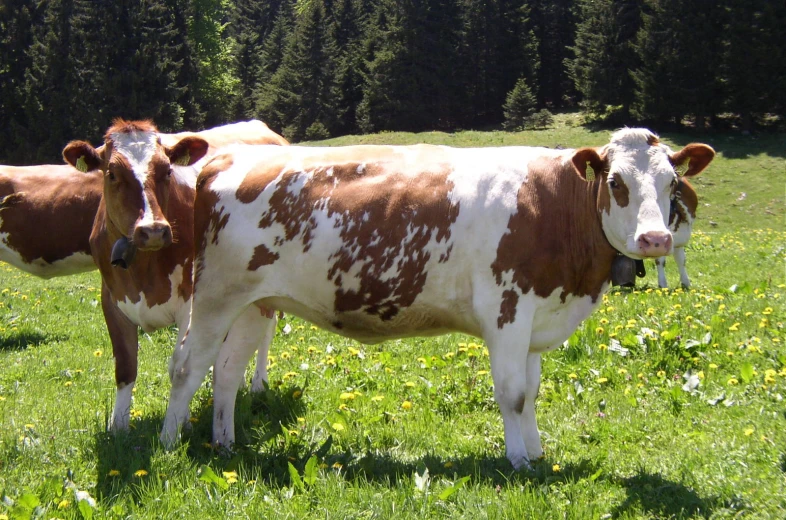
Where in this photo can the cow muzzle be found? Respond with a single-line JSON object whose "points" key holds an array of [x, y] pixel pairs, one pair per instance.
{"points": [[654, 243], [152, 237], [123, 253]]}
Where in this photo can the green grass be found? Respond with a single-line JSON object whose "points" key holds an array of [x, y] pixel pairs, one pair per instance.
{"points": [[622, 437]]}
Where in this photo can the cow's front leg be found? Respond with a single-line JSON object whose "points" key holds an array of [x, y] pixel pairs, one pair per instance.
{"points": [[660, 263], [679, 257], [248, 333], [125, 346], [529, 422], [509, 351], [259, 381]]}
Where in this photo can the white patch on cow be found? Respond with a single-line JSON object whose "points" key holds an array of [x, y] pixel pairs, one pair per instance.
{"points": [[73, 264], [138, 148], [121, 414], [151, 318]]}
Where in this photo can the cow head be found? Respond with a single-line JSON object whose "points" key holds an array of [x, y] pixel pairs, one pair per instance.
{"points": [[137, 172], [637, 178]]}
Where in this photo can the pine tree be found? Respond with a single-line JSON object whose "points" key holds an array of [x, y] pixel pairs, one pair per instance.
{"points": [[299, 92], [519, 106], [679, 46], [754, 61], [554, 26], [604, 55]]}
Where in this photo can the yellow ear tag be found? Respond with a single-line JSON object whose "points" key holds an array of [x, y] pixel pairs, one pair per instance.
{"points": [[81, 165], [682, 168], [590, 173], [184, 160]]}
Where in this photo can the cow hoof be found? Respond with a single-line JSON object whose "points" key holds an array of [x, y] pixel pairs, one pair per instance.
{"points": [[520, 462]]}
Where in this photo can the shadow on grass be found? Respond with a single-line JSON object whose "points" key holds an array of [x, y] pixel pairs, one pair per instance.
{"points": [[267, 447], [20, 340]]}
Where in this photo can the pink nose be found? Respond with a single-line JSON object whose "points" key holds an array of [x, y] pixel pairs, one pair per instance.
{"points": [[655, 243], [153, 236]]}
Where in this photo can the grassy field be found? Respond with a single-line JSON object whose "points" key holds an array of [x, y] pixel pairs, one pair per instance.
{"points": [[409, 428]]}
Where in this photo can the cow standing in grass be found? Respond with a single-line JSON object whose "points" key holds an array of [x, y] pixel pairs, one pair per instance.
{"points": [[681, 217], [144, 224], [46, 214], [513, 245]]}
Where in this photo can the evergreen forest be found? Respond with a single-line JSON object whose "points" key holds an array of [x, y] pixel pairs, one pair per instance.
{"points": [[313, 69]]}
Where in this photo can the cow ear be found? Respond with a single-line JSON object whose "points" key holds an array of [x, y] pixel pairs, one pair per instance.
{"points": [[82, 156], [187, 151], [698, 157], [585, 158]]}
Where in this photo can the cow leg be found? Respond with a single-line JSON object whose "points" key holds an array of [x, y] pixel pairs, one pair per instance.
{"points": [[125, 346], [679, 257], [529, 423], [661, 264], [509, 353], [259, 381], [209, 325], [247, 334]]}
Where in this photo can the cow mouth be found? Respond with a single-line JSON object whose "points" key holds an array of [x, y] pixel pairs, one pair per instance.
{"points": [[123, 252]]}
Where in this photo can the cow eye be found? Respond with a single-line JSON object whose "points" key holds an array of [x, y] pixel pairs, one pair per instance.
{"points": [[614, 184], [110, 176]]}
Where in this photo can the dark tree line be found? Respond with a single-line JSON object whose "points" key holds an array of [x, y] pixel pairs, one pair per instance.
{"points": [[318, 68]]}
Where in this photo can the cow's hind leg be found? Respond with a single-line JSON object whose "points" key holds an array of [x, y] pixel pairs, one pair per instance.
{"points": [[247, 334], [211, 319]]}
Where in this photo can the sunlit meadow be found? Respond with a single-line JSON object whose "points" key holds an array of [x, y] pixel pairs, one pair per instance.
{"points": [[664, 403]]}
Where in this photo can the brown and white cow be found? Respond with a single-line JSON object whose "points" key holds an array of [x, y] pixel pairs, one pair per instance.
{"points": [[681, 216], [513, 245], [46, 214], [146, 213]]}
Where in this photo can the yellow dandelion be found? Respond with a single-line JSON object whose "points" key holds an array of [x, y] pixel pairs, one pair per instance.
{"points": [[603, 346], [297, 394], [749, 432], [98, 353], [602, 380], [343, 407], [289, 375], [573, 375], [113, 473], [406, 405], [338, 427], [661, 373], [734, 327], [599, 330], [604, 321], [448, 465], [555, 468], [409, 384], [732, 381], [353, 351], [337, 465], [140, 473], [482, 372], [293, 433], [768, 310], [68, 383], [622, 371], [346, 396], [63, 504]]}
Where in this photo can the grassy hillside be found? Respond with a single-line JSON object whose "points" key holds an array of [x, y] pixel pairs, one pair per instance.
{"points": [[409, 428]]}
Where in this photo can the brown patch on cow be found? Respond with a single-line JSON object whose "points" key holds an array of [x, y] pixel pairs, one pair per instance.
{"points": [[620, 192], [48, 211], [262, 256], [507, 309], [555, 239], [209, 219], [121, 126], [685, 192], [653, 140], [384, 216]]}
